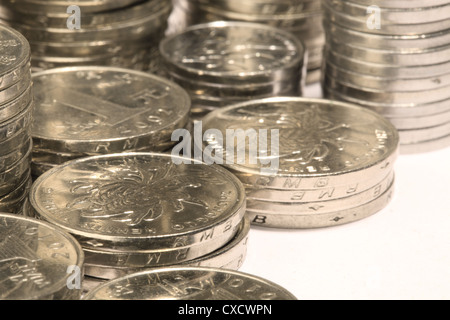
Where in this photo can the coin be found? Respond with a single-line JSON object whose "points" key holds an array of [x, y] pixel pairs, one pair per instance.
{"points": [[172, 283], [230, 256], [100, 110], [321, 142], [34, 259], [14, 107], [140, 201]]}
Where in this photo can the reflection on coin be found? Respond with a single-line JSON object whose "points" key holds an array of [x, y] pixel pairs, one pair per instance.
{"points": [[34, 259], [189, 283]]}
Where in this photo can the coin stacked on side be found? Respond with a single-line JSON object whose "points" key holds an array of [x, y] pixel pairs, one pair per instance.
{"points": [[303, 18], [206, 283], [305, 163], [16, 104], [82, 111], [38, 261], [220, 63], [116, 33], [135, 211], [393, 57]]}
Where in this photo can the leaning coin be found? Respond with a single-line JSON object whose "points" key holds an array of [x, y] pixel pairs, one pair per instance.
{"points": [[299, 143], [140, 201], [35, 259], [173, 283], [104, 110]]}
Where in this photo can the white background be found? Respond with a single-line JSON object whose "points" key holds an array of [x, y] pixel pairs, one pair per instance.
{"points": [[401, 252]]}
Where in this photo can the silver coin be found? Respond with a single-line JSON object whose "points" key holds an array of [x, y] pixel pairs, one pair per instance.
{"points": [[233, 52], [16, 141], [320, 206], [386, 70], [15, 205], [321, 142], [410, 109], [402, 4], [349, 76], [15, 56], [35, 258], [388, 42], [14, 107], [408, 136], [174, 283], [22, 189], [381, 96], [45, 6], [104, 110], [420, 121], [10, 178], [7, 160], [15, 90], [307, 221], [15, 125], [425, 145], [140, 201], [412, 15], [230, 256]]}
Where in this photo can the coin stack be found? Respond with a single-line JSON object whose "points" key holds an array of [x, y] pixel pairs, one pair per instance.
{"points": [[305, 163], [209, 284], [136, 211], [220, 63], [82, 111], [16, 103], [393, 57], [38, 261], [122, 33], [303, 18]]}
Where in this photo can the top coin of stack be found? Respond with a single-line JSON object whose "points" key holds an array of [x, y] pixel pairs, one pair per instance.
{"points": [[141, 210], [219, 63], [81, 111], [16, 104], [206, 284], [122, 33], [395, 59], [300, 17], [308, 162]]}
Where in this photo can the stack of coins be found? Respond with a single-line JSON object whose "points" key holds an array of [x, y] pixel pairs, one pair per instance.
{"points": [[300, 17], [82, 111], [136, 211], [209, 284], [220, 63], [38, 261], [117, 33], [16, 103], [393, 57], [305, 163]]}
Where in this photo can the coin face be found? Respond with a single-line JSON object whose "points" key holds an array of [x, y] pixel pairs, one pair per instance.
{"points": [[128, 199], [189, 283], [309, 138], [104, 109], [232, 49], [34, 259]]}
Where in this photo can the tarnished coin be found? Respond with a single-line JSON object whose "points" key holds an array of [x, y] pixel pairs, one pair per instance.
{"points": [[299, 143], [100, 110], [35, 258], [230, 256], [140, 201], [190, 283], [15, 57]]}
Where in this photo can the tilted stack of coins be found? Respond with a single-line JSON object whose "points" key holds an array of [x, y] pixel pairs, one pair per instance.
{"points": [[220, 63], [82, 111], [308, 162], [38, 261], [303, 18], [134, 211], [172, 283], [16, 103], [123, 33], [393, 56]]}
